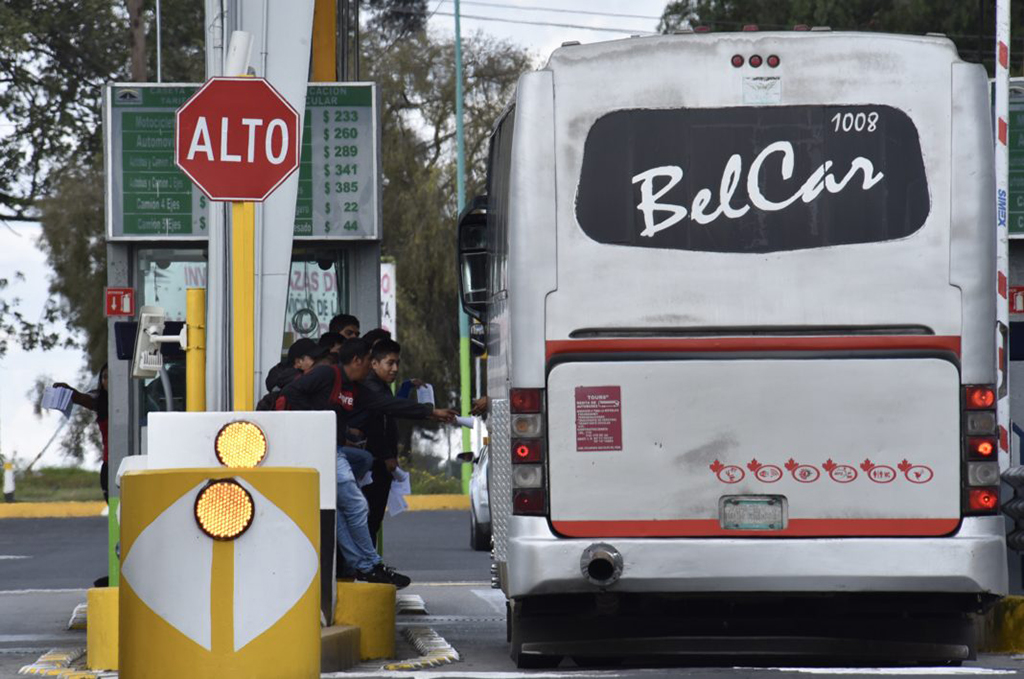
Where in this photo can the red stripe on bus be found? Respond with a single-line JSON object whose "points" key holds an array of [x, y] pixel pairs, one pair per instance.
{"points": [[700, 528], [755, 344], [1001, 284], [1004, 439], [1004, 55], [1002, 131]]}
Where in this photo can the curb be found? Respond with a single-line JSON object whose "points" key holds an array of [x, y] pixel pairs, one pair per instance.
{"points": [[339, 648], [1001, 630], [50, 510], [65, 510], [436, 502]]}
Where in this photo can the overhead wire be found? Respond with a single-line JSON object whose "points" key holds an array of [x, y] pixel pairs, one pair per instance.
{"points": [[627, 31], [535, 8]]}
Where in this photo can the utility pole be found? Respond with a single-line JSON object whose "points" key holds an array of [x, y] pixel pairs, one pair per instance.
{"points": [[464, 368]]}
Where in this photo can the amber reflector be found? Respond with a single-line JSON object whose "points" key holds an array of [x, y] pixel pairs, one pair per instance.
{"points": [[224, 510], [241, 444]]}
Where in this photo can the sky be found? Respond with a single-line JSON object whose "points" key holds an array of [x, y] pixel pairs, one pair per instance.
{"points": [[24, 436], [21, 433]]}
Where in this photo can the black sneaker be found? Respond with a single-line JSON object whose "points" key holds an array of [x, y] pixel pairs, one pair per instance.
{"points": [[385, 575]]}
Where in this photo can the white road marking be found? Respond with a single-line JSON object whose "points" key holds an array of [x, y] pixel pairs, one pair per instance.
{"points": [[480, 583], [12, 557], [9, 638], [429, 674], [495, 598], [41, 591], [899, 671]]}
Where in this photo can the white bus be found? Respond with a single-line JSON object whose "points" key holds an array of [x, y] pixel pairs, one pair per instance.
{"points": [[739, 292]]}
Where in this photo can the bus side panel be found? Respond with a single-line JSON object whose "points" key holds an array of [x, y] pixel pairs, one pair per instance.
{"points": [[516, 349], [972, 219]]}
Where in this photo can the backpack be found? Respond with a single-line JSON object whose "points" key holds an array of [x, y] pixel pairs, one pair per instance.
{"points": [[275, 399]]}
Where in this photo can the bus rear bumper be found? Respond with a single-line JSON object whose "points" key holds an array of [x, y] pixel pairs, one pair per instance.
{"points": [[971, 561]]}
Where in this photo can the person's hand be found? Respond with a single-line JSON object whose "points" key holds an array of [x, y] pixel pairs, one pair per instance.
{"points": [[63, 385], [417, 383], [443, 415], [480, 406], [391, 463]]}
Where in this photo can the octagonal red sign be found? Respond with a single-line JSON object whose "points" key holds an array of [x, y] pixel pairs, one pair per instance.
{"points": [[237, 139]]}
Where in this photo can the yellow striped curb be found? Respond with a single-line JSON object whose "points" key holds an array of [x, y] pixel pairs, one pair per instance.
{"points": [[433, 649], [49, 510], [64, 510], [1002, 629], [434, 502]]}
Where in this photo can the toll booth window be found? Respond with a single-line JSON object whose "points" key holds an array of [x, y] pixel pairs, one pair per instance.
{"points": [[317, 291], [163, 275]]}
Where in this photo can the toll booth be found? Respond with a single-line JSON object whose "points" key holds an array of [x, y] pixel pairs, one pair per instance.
{"points": [[158, 226]]}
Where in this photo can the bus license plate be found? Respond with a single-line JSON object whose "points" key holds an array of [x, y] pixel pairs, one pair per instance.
{"points": [[752, 512]]}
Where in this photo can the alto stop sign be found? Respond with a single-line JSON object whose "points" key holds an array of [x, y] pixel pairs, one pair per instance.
{"points": [[237, 139]]}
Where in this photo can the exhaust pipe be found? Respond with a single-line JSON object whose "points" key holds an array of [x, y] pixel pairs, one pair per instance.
{"points": [[601, 564]]}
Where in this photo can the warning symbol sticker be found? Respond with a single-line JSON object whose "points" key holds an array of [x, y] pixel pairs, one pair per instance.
{"points": [[598, 418]]}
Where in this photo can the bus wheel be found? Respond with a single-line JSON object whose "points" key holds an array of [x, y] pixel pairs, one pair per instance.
{"points": [[520, 630], [590, 662], [533, 661]]}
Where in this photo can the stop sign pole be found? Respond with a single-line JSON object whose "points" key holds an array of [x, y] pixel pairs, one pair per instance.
{"points": [[238, 139]]}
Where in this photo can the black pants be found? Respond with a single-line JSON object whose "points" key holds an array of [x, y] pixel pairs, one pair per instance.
{"points": [[377, 497], [104, 481]]}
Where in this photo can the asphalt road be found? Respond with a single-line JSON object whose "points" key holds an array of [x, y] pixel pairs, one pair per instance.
{"points": [[60, 557]]}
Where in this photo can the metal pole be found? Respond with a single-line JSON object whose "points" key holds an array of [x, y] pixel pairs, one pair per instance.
{"points": [[1002, 111], [243, 302], [159, 67], [464, 367], [195, 353]]}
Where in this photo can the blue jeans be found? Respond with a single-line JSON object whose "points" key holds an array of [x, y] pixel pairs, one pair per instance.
{"points": [[353, 534], [358, 459]]}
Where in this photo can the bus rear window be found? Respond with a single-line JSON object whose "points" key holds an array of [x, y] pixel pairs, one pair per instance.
{"points": [[748, 179]]}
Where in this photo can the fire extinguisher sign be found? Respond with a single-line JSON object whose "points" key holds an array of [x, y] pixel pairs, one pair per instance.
{"points": [[120, 301]]}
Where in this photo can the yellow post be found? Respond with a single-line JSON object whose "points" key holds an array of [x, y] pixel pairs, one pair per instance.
{"points": [[325, 45], [243, 302], [195, 353]]}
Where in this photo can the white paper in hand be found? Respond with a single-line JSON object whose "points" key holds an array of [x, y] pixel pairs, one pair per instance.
{"points": [[400, 487], [58, 398], [467, 422], [425, 394]]}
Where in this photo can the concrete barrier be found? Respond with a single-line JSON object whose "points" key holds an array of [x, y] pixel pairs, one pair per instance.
{"points": [[371, 608], [101, 628]]}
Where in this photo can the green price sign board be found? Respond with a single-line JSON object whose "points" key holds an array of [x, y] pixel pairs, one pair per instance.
{"points": [[148, 197]]}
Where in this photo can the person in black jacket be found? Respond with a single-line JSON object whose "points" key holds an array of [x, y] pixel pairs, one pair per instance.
{"points": [[337, 388], [381, 431]]}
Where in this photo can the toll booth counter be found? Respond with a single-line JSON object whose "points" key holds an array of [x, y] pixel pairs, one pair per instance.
{"points": [[159, 244]]}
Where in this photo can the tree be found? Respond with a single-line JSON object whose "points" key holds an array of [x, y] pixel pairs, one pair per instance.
{"points": [[417, 81], [971, 28]]}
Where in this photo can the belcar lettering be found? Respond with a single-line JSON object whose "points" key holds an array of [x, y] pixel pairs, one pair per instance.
{"points": [[787, 178]]}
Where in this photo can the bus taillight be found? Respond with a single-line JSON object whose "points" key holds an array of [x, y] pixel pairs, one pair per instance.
{"points": [[980, 397], [525, 400], [982, 500], [980, 475], [529, 489], [981, 448], [737, 60]]}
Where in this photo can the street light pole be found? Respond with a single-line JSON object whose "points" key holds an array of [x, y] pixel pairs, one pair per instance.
{"points": [[460, 180]]}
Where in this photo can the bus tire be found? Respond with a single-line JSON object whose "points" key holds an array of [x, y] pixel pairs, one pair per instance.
{"points": [[479, 540], [518, 628]]}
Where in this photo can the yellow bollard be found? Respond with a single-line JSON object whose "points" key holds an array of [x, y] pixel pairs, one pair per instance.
{"points": [[371, 608], [101, 629], [246, 604], [195, 353]]}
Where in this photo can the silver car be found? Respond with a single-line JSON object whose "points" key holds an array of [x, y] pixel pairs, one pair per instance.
{"points": [[479, 504]]}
